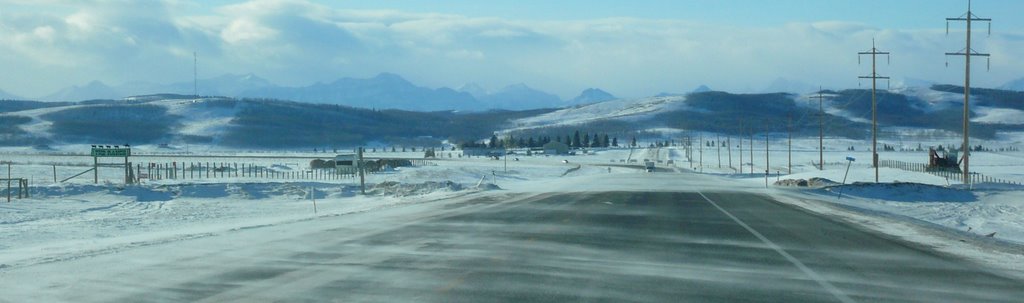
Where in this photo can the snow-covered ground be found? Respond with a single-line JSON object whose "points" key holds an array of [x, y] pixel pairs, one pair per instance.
{"points": [[77, 219]]}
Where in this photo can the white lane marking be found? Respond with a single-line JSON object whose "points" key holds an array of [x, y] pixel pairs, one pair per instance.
{"points": [[814, 275]]}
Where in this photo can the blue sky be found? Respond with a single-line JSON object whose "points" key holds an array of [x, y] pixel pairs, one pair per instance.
{"points": [[630, 48], [888, 13]]}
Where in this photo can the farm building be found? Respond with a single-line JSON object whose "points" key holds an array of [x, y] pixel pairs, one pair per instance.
{"points": [[556, 148]]}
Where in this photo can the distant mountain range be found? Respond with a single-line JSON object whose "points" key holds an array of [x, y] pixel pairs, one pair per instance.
{"points": [[783, 85], [8, 96], [593, 95], [384, 91], [1014, 85], [179, 119]]}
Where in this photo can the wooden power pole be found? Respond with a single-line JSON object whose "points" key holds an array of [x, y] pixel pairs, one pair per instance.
{"points": [[362, 172], [751, 152], [874, 52], [718, 149], [821, 129], [968, 52]]}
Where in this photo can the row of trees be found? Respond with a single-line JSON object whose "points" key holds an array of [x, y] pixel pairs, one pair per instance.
{"points": [[576, 140]]}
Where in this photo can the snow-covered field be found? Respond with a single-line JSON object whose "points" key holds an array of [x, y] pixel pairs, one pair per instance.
{"points": [[70, 220], [76, 219]]}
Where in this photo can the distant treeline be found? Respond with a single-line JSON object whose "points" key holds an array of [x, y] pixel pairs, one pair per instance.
{"points": [[574, 140]]}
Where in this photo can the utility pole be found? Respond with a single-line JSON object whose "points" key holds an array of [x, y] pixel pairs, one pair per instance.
{"points": [[362, 172], [718, 149], [751, 152], [821, 129], [767, 160], [968, 52], [701, 150], [728, 148], [874, 52], [740, 136], [790, 130]]}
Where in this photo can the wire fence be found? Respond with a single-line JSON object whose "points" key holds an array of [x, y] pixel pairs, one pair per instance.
{"points": [[947, 174]]}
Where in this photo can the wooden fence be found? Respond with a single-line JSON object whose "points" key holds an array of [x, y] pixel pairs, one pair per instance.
{"points": [[222, 170], [949, 175]]}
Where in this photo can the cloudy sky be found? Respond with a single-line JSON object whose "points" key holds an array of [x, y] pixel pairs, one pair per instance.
{"points": [[630, 48]]}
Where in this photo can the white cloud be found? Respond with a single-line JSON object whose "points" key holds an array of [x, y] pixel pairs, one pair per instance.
{"points": [[245, 30], [299, 42]]}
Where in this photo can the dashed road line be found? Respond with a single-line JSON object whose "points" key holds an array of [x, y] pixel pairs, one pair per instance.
{"points": [[809, 272]]}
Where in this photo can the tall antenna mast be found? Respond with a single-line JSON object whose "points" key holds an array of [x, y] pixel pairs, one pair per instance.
{"points": [[821, 129], [195, 77], [968, 52], [874, 52]]}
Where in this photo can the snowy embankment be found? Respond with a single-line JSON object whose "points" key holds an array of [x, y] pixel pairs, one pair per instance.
{"points": [[991, 210]]}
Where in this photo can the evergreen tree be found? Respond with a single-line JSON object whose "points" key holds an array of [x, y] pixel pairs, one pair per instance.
{"points": [[615, 141], [531, 143], [576, 140], [633, 144], [586, 140], [596, 142], [494, 142], [604, 141]]}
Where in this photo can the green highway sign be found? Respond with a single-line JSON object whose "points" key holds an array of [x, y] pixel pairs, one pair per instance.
{"points": [[111, 152]]}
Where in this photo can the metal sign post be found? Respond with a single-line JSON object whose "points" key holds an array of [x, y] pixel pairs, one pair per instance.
{"points": [[850, 159]]}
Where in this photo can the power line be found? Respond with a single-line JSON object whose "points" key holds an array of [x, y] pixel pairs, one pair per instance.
{"points": [[874, 52], [968, 52]]}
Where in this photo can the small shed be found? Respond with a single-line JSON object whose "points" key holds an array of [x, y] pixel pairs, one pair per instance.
{"points": [[346, 164], [556, 148], [482, 151]]}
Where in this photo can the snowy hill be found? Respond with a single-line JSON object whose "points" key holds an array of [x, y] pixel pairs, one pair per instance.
{"points": [[848, 112], [614, 109], [234, 123]]}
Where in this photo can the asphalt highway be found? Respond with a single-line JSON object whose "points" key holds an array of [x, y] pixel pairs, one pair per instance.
{"points": [[684, 246]]}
